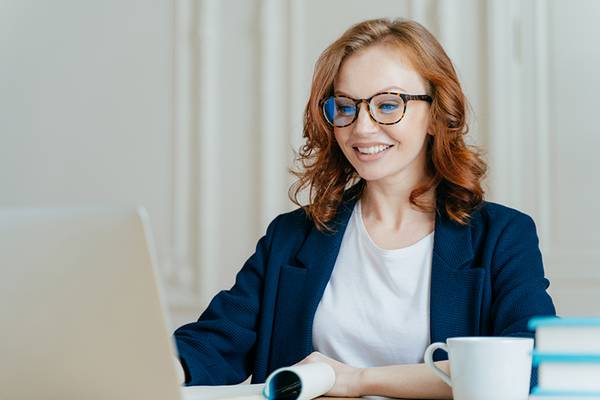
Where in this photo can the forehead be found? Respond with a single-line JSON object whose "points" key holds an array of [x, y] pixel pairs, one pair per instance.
{"points": [[377, 68]]}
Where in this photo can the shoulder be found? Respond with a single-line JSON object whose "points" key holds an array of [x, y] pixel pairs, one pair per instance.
{"points": [[292, 222], [496, 216], [497, 226], [289, 229]]}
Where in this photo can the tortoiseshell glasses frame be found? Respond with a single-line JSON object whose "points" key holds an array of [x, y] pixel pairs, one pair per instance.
{"points": [[329, 104]]}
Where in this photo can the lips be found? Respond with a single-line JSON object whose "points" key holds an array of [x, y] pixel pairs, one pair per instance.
{"points": [[379, 153], [373, 149], [369, 144]]}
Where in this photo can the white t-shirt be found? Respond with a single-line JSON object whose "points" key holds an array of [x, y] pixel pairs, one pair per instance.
{"points": [[375, 308]]}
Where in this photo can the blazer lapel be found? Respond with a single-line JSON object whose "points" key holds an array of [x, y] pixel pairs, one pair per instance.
{"points": [[302, 288], [318, 255], [456, 287]]}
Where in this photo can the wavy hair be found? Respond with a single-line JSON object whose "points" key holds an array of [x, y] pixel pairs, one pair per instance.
{"points": [[454, 169]]}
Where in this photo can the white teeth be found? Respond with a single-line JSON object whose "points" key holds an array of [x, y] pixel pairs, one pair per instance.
{"points": [[373, 149]]}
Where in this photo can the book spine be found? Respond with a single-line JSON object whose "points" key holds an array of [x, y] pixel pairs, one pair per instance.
{"points": [[540, 357]]}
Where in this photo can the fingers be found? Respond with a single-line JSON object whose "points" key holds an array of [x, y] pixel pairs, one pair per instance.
{"points": [[315, 356]]}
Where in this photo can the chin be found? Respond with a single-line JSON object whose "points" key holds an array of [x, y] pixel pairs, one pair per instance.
{"points": [[370, 176], [384, 172]]}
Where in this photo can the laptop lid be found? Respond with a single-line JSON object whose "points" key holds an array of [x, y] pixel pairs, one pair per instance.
{"points": [[80, 312]]}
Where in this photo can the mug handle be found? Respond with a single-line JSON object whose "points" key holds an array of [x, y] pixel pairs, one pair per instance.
{"points": [[429, 361]]}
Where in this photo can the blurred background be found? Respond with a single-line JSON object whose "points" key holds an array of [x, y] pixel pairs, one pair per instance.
{"points": [[192, 108]]}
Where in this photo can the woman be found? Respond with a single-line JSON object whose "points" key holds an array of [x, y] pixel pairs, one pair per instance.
{"points": [[397, 248]]}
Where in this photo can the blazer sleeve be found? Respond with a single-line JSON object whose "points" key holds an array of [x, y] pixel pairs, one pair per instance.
{"points": [[218, 349], [518, 281]]}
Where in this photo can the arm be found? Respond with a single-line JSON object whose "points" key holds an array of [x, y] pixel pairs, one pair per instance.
{"points": [[409, 381], [518, 281], [218, 349]]}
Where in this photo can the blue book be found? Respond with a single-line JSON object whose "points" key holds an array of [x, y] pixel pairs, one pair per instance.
{"points": [[539, 394], [567, 354], [566, 335]]}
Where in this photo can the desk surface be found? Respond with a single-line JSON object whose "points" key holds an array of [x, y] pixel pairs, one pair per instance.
{"points": [[235, 392]]}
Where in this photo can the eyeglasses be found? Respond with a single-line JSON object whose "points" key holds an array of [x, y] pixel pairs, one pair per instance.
{"points": [[386, 108]]}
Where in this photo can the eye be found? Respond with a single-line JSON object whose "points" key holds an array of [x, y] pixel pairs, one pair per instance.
{"points": [[388, 107], [345, 109]]}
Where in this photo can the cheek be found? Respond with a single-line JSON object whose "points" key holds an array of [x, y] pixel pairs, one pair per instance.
{"points": [[408, 132], [399, 134], [341, 137]]}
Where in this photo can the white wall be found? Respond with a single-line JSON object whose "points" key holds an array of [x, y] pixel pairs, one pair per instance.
{"points": [[542, 138], [85, 105], [120, 102], [571, 161]]}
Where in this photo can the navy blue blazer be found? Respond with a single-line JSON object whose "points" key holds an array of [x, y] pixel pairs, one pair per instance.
{"points": [[487, 279]]}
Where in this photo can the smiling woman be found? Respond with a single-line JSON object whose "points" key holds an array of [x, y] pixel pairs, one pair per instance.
{"points": [[390, 64], [397, 247]]}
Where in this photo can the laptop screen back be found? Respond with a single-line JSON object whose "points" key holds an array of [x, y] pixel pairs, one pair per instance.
{"points": [[80, 312]]}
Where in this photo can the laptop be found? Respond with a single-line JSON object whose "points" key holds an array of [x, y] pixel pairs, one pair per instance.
{"points": [[80, 312]]}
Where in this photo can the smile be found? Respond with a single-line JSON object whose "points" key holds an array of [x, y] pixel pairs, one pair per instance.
{"points": [[373, 149], [371, 153]]}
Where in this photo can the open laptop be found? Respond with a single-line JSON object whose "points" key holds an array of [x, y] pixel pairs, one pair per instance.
{"points": [[80, 311]]}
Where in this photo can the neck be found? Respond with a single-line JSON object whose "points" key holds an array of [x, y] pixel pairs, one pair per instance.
{"points": [[389, 205]]}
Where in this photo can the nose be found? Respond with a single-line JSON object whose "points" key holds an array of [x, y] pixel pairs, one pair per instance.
{"points": [[364, 123]]}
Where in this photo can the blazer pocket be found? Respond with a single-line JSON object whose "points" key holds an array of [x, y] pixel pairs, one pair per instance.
{"points": [[290, 296]]}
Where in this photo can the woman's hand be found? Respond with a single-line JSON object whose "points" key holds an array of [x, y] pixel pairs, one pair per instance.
{"points": [[348, 380]]}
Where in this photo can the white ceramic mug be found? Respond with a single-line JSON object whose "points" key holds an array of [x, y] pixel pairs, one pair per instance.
{"points": [[485, 368]]}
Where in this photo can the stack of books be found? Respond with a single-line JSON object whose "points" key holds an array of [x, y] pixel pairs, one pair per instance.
{"points": [[567, 354]]}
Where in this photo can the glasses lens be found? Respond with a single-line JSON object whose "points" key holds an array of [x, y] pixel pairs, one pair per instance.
{"points": [[339, 111], [387, 108]]}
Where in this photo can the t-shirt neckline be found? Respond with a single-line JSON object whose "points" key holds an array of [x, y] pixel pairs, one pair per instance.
{"points": [[398, 252]]}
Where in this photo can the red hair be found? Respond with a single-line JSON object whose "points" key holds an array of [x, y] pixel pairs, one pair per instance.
{"points": [[455, 170]]}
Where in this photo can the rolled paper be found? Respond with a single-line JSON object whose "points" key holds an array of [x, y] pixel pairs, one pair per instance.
{"points": [[299, 382]]}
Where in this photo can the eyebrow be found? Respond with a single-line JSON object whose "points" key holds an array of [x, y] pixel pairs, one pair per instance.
{"points": [[386, 89]]}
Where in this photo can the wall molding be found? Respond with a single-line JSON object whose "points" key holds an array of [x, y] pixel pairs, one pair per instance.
{"points": [[207, 188], [192, 258], [179, 265], [273, 110], [504, 123], [296, 82], [541, 81], [421, 11]]}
